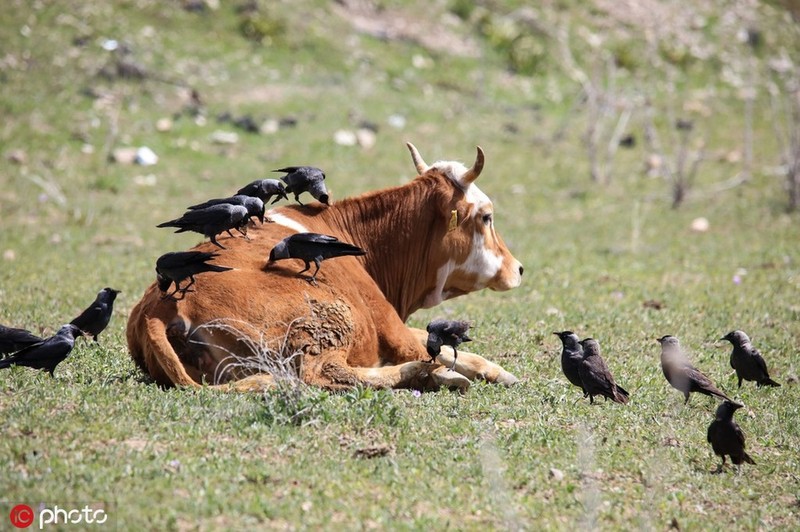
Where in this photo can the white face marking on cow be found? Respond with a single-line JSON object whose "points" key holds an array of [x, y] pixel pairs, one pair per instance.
{"points": [[285, 221], [455, 171], [481, 262]]}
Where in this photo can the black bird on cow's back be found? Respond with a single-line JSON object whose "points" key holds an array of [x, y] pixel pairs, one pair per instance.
{"points": [[176, 266], [301, 179], [46, 354], [265, 189], [446, 332], [254, 205], [312, 247], [726, 437], [211, 221], [13, 339], [680, 373], [571, 357], [595, 375], [747, 360], [95, 318]]}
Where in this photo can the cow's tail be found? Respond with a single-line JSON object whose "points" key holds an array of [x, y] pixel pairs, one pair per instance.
{"points": [[151, 350]]}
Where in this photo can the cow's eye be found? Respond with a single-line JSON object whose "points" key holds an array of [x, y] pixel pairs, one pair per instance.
{"points": [[487, 219]]}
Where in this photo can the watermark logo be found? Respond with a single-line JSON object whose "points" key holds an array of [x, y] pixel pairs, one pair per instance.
{"points": [[45, 516], [22, 516]]}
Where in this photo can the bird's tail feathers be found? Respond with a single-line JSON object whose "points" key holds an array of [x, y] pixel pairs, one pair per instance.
{"points": [[620, 396], [748, 459], [768, 382]]}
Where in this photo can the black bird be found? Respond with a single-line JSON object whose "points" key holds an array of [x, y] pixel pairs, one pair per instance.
{"points": [[312, 247], [46, 354], [446, 332], [301, 179], [595, 375], [211, 221], [726, 437], [13, 339], [747, 360], [94, 319], [571, 357], [254, 205], [265, 189], [681, 374], [176, 266]]}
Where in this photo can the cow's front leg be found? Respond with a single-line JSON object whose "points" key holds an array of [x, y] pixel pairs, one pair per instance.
{"points": [[470, 365], [413, 375]]}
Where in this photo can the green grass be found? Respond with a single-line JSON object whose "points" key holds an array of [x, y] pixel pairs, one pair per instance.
{"points": [[181, 459]]}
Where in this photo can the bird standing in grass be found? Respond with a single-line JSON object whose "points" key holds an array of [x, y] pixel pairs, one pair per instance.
{"points": [[571, 357], [681, 374], [48, 353], [747, 360], [446, 332], [176, 266], [95, 318], [265, 189], [13, 339], [726, 437], [312, 247], [301, 179], [595, 375], [211, 221]]}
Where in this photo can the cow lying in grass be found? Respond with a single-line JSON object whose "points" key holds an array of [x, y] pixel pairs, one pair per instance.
{"points": [[427, 241]]}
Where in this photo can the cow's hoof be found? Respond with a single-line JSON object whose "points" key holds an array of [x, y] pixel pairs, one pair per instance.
{"points": [[506, 379], [452, 380]]}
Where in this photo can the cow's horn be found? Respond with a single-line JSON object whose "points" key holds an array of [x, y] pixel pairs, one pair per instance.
{"points": [[421, 166], [473, 173]]}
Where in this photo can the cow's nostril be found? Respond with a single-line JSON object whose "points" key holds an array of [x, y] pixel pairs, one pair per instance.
{"points": [[521, 269]]}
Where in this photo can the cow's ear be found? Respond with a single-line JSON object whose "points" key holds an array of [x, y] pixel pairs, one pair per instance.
{"points": [[457, 217], [473, 173]]}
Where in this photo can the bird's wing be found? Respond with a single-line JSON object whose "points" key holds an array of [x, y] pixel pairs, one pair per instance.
{"points": [[215, 214], [206, 204], [288, 169], [315, 238], [697, 376], [712, 429], [737, 430], [88, 315], [45, 349], [760, 362], [183, 258]]}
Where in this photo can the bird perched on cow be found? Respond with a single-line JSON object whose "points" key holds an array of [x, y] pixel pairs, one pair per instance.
{"points": [[747, 360], [176, 266], [95, 318], [48, 353], [595, 375], [265, 189], [571, 357], [446, 332], [726, 437], [254, 205], [211, 221], [681, 374], [301, 179], [312, 247], [13, 339]]}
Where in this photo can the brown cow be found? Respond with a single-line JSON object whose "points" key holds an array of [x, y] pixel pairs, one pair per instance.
{"points": [[429, 240]]}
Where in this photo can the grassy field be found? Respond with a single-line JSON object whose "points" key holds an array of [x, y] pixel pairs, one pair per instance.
{"points": [[613, 261]]}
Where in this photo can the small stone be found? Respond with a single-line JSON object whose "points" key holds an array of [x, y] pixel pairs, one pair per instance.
{"points": [[700, 225], [344, 137], [145, 157], [87, 149], [9, 255], [269, 127], [17, 156], [366, 138], [556, 474], [148, 180], [163, 125], [224, 137], [125, 155], [397, 121]]}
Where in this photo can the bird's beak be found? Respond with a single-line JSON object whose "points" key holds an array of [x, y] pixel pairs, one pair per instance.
{"points": [[721, 339], [556, 334]]}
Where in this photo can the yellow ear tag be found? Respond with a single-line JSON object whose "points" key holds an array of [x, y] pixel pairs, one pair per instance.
{"points": [[453, 221]]}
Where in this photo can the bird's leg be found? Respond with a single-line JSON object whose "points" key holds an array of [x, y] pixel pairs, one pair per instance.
{"points": [[455, 357], [214, 241], [243, 230], [297, 199], [313, 278], [171, 296], [686, 401], [191, 282]]}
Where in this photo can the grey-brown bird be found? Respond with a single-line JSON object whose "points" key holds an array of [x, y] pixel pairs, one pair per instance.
{"points": [[301, 179], [747, 360], [595, 375], [48, 353], [13, 339], [680, 373], [726, 437], [446, 332], [571, 357], [212, 221], [265, 190]]}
